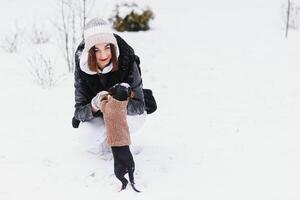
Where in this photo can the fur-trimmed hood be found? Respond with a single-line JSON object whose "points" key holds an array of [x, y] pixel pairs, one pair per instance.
{"points": [[126, 57]]}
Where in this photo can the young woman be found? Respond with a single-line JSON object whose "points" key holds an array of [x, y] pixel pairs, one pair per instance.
{"points": [[103, 60]]}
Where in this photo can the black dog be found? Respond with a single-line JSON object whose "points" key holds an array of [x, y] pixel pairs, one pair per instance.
{"points": [[123, 164], [123, 159]]}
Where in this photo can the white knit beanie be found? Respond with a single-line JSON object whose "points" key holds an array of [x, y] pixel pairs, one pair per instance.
{"points": [[97, 31]]}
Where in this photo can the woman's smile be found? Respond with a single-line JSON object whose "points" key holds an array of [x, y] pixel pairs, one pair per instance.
{"points": [[103, 59]]}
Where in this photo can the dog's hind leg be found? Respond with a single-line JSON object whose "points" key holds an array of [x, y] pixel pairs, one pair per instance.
{"points": [[124, 183], [120, 175]]}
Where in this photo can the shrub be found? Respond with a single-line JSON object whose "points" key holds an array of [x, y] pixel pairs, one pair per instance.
{"points": [[42, 69], [39, 35], [131, 17], [11, 42]]}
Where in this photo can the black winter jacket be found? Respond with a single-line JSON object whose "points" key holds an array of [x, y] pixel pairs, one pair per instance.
{"points": [[87, 86]]}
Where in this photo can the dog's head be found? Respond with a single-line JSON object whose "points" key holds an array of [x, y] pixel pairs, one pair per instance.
{"points": [[120, 91]]}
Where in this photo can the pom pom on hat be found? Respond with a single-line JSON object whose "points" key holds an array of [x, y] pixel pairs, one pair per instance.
{"points": [[97, 31]]}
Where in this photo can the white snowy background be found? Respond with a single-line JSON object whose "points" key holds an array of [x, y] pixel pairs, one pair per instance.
{"points": [[227, 85]]}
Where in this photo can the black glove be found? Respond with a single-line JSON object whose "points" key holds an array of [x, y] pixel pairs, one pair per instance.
{"points": [[75, 122], [120, 91]]}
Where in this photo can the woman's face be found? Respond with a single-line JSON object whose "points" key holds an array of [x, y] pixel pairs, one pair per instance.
{"points": [[103, 54]]}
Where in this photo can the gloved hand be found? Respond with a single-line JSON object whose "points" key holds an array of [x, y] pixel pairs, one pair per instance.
{"points": [[75, 122], [97, 99], [120, 91]]}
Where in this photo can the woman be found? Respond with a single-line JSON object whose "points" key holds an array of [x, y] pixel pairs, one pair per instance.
{"points": [[103, 60]]}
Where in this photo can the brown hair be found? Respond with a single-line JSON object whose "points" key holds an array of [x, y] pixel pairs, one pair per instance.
{"points": [[92, 62]]}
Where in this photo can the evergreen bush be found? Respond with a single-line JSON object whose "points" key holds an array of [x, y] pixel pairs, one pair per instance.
{"points": [[131, 17]]}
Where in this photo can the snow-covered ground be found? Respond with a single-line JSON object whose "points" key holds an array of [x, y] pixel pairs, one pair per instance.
{"points": [[227, 126]]}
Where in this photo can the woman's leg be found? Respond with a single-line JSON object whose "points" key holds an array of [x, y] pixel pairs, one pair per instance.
{"points": [[92, 136], [135, 122]]}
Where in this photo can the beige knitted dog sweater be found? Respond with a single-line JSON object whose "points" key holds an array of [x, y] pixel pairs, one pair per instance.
{"points": [[115, 120]]}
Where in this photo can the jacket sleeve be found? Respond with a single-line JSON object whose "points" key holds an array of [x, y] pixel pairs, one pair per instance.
{"points": [[83, 108], [136, 105]]}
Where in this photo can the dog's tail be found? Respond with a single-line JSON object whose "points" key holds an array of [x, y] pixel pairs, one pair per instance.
{"points": [[133, 187], [131, 179]]}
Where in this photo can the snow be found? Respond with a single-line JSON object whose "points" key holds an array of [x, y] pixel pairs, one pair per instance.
{"points": [[226, 81]]}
